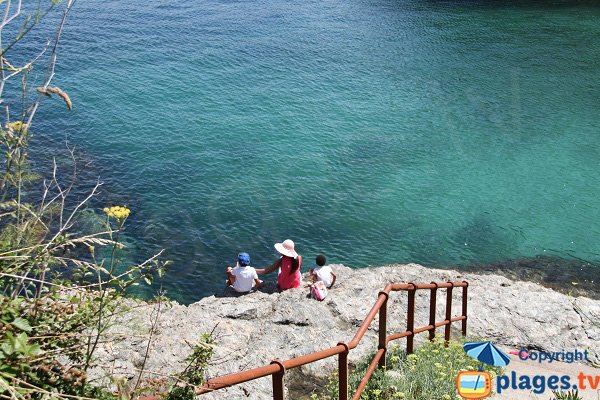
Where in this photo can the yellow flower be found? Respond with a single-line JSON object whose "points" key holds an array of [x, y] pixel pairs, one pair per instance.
{"points": [[118, 212], [17, 126]]}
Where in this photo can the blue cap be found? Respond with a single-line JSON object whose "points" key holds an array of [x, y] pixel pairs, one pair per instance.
{"points": [[244, 259]]}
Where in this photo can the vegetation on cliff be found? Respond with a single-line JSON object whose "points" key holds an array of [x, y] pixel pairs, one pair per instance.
{"points": [[61, 285], [429, 373]]}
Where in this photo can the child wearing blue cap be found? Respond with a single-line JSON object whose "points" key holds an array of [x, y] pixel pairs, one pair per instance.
{"points": [[243, 277]]}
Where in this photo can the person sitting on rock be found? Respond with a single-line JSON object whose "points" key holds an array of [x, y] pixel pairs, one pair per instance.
{"points": [[243, 277], [322, 277], [321, 272], [289, 266]]}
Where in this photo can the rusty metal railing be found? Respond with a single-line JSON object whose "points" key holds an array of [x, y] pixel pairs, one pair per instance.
{"points": [[277, 369]]}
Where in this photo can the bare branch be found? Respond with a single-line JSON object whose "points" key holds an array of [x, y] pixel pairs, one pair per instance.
{"points": [[7, 20], [52, 62], [80, 287], [36, 216], [153, 329], [65, 226], [77, 240], [25, 67]]}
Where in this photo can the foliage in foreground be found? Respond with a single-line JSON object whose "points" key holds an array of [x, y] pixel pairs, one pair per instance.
{"points": [[570, 395], [429, 373], [193, 374], [42, 345], [62, 282]]}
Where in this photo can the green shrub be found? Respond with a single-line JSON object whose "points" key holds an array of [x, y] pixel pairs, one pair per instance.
{"points": [[430, 373], [570, 395], [43, 345], [193, 374], [61, 285]]}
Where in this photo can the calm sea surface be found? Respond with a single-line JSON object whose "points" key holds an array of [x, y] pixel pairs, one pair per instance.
{"points": [[440, 132]]}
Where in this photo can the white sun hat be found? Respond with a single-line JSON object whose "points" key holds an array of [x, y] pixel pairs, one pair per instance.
{"points": [[286, 248]]}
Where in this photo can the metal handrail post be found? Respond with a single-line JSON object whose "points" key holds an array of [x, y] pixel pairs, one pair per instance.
{"points": [[278, 392], [343, 372], [410, 319], [448, 313], [432, 308], [464, 308], [383, 328]]}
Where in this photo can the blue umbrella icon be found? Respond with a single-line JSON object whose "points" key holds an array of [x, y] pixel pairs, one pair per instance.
{"points": [[487, 353]]}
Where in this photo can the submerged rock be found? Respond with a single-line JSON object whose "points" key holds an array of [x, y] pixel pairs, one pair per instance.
{"points": [[256, 328]]}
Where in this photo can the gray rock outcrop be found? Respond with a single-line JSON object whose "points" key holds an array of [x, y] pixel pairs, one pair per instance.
{"points": [[256, 328]]}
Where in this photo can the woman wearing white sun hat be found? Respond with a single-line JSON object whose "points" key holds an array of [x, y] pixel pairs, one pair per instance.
{"points": [[289, 266]]}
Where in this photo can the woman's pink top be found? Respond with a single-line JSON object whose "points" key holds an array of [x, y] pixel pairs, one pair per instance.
{"points": [[285, 279]]}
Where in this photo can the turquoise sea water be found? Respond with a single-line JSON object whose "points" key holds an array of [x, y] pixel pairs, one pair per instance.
{"points": [[439, 132]]}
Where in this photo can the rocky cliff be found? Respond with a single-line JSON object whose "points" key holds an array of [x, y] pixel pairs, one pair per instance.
{"points": [[254, 329]]}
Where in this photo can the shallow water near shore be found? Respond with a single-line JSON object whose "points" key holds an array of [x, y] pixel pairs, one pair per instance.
{"points": [[447, 133]]}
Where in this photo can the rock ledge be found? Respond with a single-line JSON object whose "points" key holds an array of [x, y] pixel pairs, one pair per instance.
{"points": [[256, 328]]}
